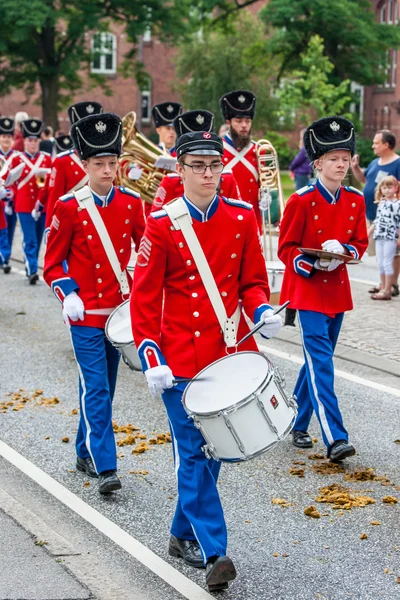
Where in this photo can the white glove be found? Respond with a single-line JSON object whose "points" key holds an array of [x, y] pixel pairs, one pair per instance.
{"points": [[333, 246], [35, 214], [8, 209], [327, 265], [40, 171], [265, 200], [135, 173], [272, 323], [159, 379], [3, 193], [73, 307]]}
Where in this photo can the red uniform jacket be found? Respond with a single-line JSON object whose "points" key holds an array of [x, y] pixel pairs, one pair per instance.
{"points": [[5, 161], [172, 187], [243, 164], [311, 217], [173, 321], [73, 238], [27, 190], [67, 175]]}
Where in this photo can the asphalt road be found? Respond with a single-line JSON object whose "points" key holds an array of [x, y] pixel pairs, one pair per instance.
{"points": [[280, 552]]}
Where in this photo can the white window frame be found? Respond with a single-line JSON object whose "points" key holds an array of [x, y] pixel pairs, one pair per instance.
{"points": [[105, 36], [147, 36], [146, 94]]}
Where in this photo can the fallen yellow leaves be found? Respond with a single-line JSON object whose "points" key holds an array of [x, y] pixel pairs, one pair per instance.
{"points": [[316, 456], [124, 428], [363, 536], [281, 502], [296, 471], [311, 511], [375, 523], [65, 440], [390, 500], [133, 435], [140, 448], [138, 472], [327, 468], [342, 498]]}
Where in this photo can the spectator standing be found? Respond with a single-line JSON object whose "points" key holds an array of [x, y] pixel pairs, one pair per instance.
{"points": [[385, 229], [46, 143], [300, 167]]}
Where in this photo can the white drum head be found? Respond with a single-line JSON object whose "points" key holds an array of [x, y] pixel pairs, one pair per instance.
{"points": [[118, 326], [226, 382]]}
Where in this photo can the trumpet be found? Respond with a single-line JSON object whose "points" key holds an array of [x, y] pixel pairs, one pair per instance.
{"points": [[269, 177], [141, 151], [40, 181]]}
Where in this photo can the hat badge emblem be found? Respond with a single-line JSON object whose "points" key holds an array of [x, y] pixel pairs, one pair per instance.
{"points": [[66, 140], [34, 125], [170, 108], [241, 98], [334, 126], [90, 109], [7, 122], [100, 127], [206, 135], [200, 119]]}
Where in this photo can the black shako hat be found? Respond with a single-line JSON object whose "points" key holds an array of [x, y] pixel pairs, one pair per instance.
{"points": [[199, 142], [31, 128], [327, 134], [239, 103], [97, 135], [163, 114], [193, 120], [83, 109], [63, 143], [7, 125]]}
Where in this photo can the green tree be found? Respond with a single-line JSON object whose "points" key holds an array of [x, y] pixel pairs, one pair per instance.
{"points": [[220, 60], [43, 41], [355, 43], [307, 93]]}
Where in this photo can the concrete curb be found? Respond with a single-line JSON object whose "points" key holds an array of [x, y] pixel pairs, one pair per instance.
{"points": [[291, 335]]}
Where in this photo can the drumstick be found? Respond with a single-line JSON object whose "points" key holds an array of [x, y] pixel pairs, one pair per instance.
{"points": [[188, 379], [261, 323]]}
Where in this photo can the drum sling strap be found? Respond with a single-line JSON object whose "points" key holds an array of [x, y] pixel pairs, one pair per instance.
{"points": [[85, 200], [178, 212]]}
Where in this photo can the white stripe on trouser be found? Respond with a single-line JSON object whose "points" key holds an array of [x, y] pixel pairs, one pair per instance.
{"points": [[82, 379], [177, 465], [23, 249], [321, 408]]}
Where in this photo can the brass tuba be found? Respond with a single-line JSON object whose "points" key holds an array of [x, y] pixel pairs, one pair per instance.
{"points": [[269, 179], [138, 149]]}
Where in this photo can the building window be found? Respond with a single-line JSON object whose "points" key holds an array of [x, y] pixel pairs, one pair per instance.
{"points": [[104, 53], [147, 36], [389, 12], [145, 95]]}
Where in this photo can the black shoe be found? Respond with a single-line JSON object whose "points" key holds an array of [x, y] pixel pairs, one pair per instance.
{"points": [[188, 550], [340, 450], [290, 317], [220, 570], [301, 439], [86, 466], [6, 268], [109, 482], [33, 278], [395, 290]]}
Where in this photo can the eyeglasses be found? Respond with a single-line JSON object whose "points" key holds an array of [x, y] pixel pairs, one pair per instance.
{"points": [[201, 169]]}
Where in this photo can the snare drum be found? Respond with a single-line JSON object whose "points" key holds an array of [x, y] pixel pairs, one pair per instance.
{"points": [[119, 331], [240, 406]]}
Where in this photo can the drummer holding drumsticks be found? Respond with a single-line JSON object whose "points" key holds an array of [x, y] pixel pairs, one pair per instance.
{"points": [[328, 216], [177, 332]]}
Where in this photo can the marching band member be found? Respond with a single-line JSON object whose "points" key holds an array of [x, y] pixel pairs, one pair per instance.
{"points": [[67, 173], [163, 115], [28, 205], [90, 291], [171, 185], [331, 217], [238, 109], [177, 332], [5, 250], [7, 127]]}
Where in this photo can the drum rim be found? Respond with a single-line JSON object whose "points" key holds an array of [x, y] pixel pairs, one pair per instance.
{"points": [[107, 326], [237, 405]]}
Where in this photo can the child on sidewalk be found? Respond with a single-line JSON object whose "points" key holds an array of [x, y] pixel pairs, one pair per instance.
{"points": [[386, 233]]}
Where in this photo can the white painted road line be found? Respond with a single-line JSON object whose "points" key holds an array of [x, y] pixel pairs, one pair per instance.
{"points": [[154, 563], [362, 281], [338, 372]]}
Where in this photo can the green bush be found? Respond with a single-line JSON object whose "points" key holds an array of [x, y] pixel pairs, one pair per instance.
{"points": [[285, 153], [363, 148]]}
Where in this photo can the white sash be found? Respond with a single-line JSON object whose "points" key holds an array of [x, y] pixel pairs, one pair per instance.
{"points": [[178, 212], [240, 157], [84, 179], [31, 166], [85, 200]]}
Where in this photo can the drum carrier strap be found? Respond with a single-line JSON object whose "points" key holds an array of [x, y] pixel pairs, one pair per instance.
{"points": [[178, 212], [85, 200]]}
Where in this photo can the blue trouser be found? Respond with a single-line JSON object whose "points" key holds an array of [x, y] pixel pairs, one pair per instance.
{"points": [[315, 385], [32, 234], [98, 366], [199, 513], [11, 223], [5, 250]]}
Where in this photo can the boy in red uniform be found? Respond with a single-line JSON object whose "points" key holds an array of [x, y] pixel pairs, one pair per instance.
{"points": [[178, 333], [89, 290], [328, 216]]}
